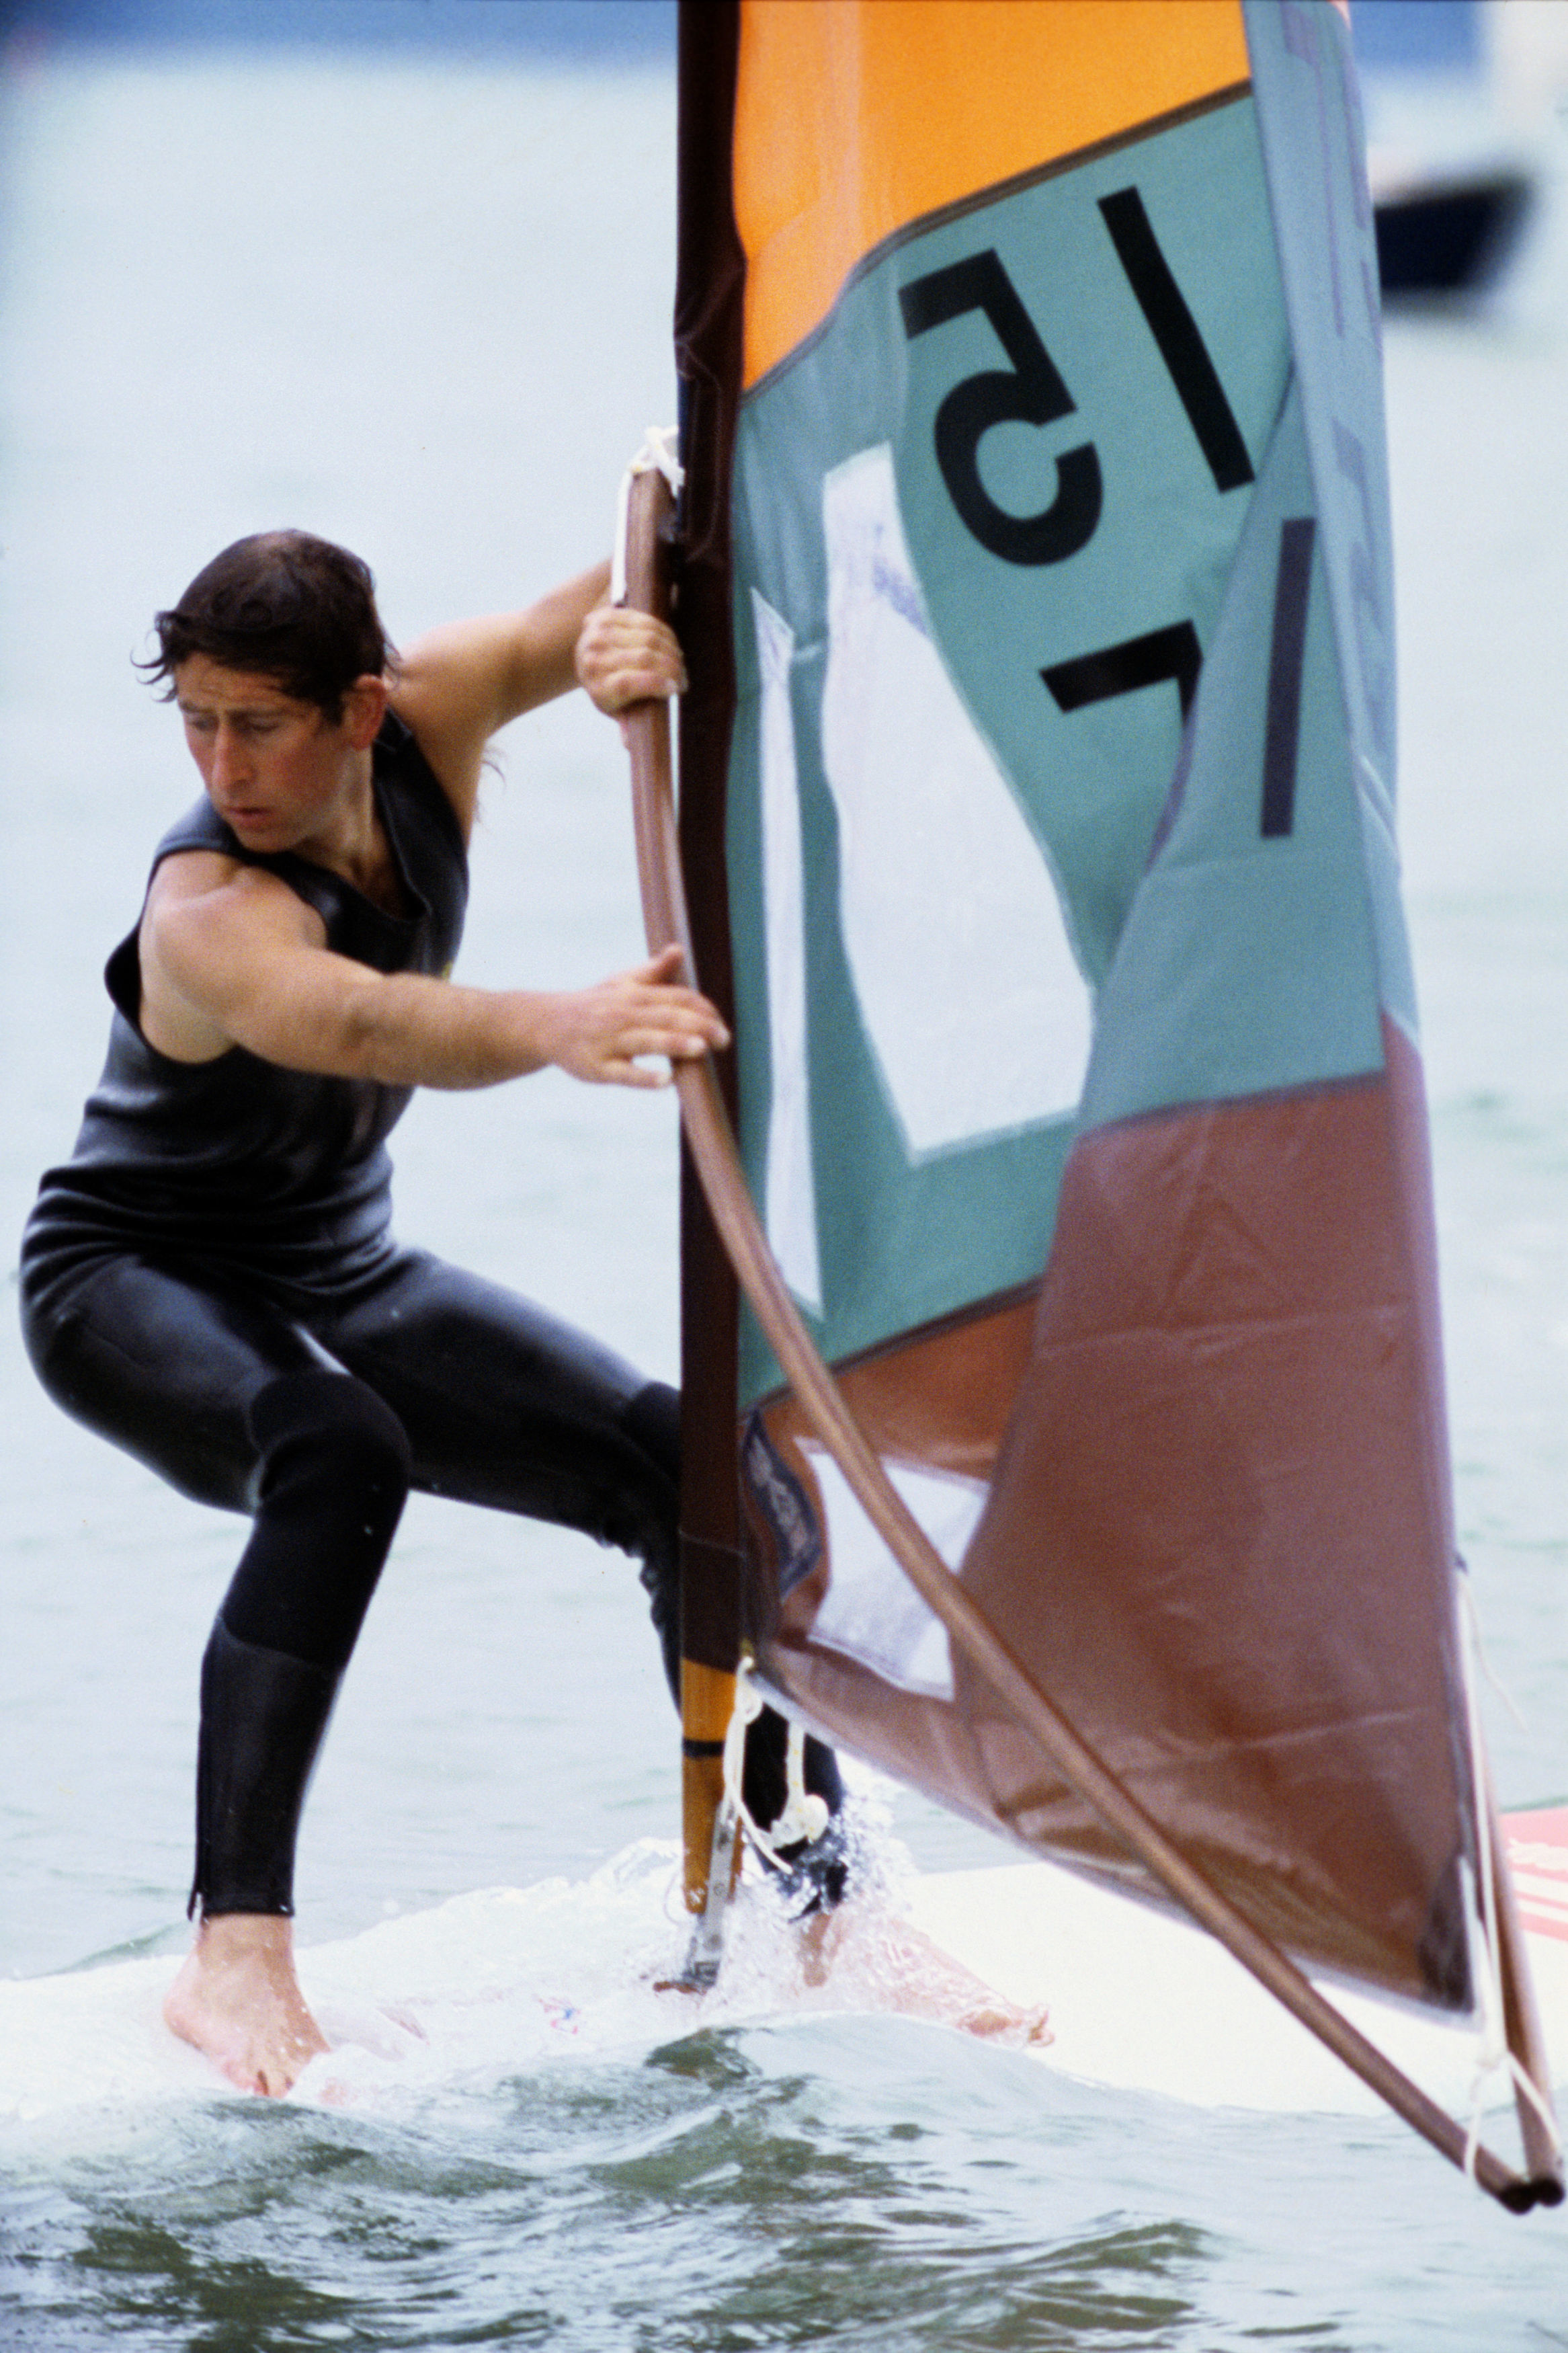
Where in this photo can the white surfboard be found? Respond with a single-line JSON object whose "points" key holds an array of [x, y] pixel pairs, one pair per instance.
{"points": [[506, 1979]]}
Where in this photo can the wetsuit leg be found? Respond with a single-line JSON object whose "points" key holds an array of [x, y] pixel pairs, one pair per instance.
{"points": [[506, 1406], [236, 1405], [334, 1481], [464, 1387], [165, 1366]]}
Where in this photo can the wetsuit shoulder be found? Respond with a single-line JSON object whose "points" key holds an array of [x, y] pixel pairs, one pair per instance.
{"points": [[428, 849], [237, 1157]]}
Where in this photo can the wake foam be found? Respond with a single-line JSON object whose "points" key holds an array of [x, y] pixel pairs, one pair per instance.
{"points": [[487, 1985], [508, 1981]]}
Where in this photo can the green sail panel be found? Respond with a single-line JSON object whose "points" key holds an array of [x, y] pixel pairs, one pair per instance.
{"points": [[944, 794]]}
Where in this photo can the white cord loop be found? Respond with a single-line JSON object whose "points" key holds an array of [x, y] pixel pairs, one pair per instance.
{"points": [[804, 1815], [656, 455]]}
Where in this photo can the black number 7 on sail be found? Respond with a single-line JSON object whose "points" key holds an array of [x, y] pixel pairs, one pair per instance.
{"points": [[1173, 653]]}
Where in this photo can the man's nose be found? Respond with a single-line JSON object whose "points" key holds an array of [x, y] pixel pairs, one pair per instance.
{"points": [[229, 755]]}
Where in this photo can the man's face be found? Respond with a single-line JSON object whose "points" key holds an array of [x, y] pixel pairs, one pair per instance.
{"points": [[274, 769]]}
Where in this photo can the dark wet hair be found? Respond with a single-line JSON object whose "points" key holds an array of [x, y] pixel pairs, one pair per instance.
{"points": [[285, 605]]}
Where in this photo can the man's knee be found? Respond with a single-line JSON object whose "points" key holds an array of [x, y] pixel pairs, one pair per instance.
{"points": [[653, 1421], [320, 1431], [334, 1470]]}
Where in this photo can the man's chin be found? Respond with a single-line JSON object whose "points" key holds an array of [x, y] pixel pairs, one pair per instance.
{"points": [[258, 828]]}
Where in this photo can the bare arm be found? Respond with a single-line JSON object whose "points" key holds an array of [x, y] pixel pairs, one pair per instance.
{"points": [[231, 958], [461, 683]]}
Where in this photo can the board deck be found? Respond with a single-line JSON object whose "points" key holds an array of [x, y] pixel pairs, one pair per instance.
{"points": [[1144, 2001]]}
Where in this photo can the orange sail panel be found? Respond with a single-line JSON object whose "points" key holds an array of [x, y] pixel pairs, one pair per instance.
{"points": [[1040, 806], [907, 107]]}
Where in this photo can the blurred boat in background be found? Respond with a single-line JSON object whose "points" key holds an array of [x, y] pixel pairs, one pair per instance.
{"points": [[1464, 102]]}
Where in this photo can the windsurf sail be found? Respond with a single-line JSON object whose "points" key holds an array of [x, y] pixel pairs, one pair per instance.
{"points": [[1037, 823]]}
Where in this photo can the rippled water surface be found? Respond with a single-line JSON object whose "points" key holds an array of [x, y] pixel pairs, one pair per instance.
{"points": [[871, 2185], [424, 309]]}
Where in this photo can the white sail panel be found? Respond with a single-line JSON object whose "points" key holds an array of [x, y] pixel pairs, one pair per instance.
{"points": [[790, 1193], [872, 1613], [977, 1013]]}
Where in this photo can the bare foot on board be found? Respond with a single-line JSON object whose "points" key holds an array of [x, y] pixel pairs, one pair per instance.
{"points": [[238, 2000], [897, 1966]]}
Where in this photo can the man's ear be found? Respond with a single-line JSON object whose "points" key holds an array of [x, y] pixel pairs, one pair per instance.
{"points": [[365, 708]]}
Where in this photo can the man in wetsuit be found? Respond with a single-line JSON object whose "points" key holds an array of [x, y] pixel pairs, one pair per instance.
{"points": [[211, 1281]]}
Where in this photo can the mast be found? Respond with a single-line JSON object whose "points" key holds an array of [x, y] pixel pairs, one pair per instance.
{"points": [[711, 275]]}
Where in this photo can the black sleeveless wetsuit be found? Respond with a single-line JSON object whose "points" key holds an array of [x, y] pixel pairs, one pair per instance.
{"points": [[263, 1195], [211, 1283], [281, 1171]]}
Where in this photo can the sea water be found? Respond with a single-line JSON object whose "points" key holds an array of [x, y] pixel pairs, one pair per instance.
{"points": [[424, 309]]}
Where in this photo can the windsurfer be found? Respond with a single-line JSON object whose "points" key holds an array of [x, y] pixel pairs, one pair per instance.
{"points": [[211, 1283]]}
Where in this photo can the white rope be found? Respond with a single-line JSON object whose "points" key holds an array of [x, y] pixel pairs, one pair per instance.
{"points": [[1480, 1654], [656, 455], [747, 1708], [1492, 2052]]}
